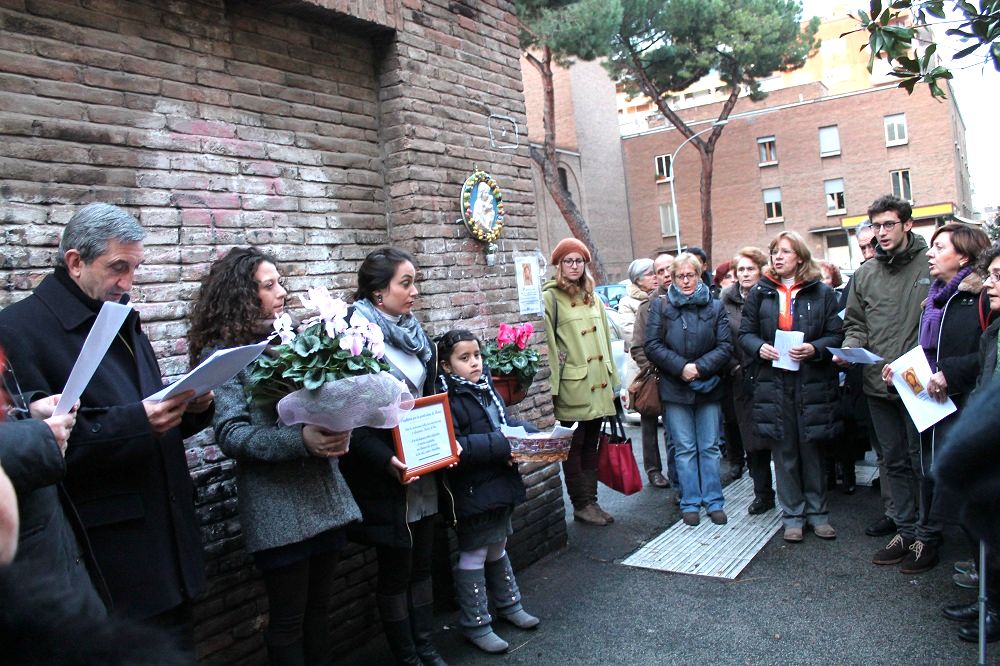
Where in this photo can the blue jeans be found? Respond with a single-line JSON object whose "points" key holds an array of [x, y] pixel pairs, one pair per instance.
{"points": [[694, 431]]}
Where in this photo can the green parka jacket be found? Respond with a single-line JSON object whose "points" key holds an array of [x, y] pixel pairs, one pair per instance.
{"points": [[583, 371], [884, 307]]}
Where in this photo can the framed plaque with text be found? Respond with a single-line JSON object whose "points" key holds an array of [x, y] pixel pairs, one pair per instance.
{"points": [[425, 437]]}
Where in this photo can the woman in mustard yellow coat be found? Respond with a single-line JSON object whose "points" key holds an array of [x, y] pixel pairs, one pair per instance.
{"points": [[583, 372]]}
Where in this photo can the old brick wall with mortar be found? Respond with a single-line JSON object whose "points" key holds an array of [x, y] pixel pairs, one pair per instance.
{"points": [[319, 133]]}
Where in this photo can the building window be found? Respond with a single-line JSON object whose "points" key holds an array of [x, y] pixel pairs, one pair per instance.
{"points": [[829, 141], [768, 150], [663, 173], [895, 129], [772, 205], [667, 227], [901, 184], [835, 202], [564, 181]]}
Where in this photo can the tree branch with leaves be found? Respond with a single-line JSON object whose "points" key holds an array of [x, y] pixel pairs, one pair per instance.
{"points": [[666, 46], [891, 36], [555, 32]]}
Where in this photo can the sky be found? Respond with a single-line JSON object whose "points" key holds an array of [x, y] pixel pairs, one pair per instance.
{"points": [[977, 93]]}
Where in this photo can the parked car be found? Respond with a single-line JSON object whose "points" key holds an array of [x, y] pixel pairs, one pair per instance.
{"points": [[617, 343], [612, 293]]}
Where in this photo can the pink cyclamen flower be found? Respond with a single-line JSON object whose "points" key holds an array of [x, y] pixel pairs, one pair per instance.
{"points": [[353, 342], [523, 335], [506, 335]]}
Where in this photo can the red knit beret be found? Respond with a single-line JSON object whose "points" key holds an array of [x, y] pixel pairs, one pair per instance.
{"points": [[567, 245]]}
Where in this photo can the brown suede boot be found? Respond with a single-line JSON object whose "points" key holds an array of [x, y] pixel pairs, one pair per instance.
{"points": [[590, 515], [590, 476]]}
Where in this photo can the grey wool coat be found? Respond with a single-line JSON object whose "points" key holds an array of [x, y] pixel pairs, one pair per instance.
{"points": [[285, 494]]}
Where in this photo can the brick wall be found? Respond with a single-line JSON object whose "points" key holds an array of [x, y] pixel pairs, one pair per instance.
{"points": [[793, 116], [316, 132]]}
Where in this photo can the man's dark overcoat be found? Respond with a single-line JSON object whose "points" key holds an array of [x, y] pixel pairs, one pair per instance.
{"points": [[132, 489]]}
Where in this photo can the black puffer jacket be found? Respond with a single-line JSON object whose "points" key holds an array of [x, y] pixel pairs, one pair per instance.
{"points": [[378, 492], [692, 333], [484, 480], [958, 342], [816, 309], [988, 354]]}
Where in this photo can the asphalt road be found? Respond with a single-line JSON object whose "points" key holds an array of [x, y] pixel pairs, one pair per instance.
{"points": [[816, 602]]}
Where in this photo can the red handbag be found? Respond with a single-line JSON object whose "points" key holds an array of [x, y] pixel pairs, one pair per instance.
{"points": [[616, 466]]}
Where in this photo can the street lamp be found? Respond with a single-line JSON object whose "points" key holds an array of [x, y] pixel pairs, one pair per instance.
{"points": [[673, 197]]}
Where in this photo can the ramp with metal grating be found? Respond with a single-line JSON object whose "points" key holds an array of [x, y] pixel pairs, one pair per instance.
{"points": [[718, 551]]}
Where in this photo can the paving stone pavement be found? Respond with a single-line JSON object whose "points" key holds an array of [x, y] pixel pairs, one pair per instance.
{"points": [[817, 602]]}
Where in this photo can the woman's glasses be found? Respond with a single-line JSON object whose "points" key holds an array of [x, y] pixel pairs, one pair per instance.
{"points": [[573, 262]]}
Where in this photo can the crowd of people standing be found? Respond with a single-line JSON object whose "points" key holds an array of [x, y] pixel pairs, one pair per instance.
{"points": [[104, 501], [812, 413]]}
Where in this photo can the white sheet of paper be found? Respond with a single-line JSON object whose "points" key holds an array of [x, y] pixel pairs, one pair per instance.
{"points": [[529, 295], [784, 341], [855, 354], [423, 432], [521, 433], [102, 333], [213, 372], [910, 374]]}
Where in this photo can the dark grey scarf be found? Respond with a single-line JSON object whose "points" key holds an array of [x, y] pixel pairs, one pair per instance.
{"points": [[406, 334]]}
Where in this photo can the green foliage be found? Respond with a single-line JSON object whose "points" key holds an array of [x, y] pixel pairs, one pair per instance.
{"points": [[992, 228], [667, 45], [889, 39], [509, 360], [569, 28], [308, 361]]}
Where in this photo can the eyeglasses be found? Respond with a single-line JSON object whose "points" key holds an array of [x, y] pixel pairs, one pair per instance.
{"points": [[747, 269], [685, 277], [888, 226], [573, 262], [992, 275], [781, 251]]}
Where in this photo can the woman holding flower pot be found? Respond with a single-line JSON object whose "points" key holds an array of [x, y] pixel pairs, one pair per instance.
{"points": [[398, 515], [293, 503], [583, 374]]}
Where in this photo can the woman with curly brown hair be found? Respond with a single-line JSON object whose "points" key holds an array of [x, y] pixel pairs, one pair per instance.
{"points": [[294, 505]]}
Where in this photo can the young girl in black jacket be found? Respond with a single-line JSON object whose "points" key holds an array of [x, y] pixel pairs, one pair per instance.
{"points": [[487, 486]]}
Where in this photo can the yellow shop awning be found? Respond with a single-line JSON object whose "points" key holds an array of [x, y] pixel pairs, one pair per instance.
{"points": [[919, 213]]}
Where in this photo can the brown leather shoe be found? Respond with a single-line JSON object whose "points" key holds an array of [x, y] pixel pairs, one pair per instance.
{"points": [[657, 480], [825, 531], [719, 517], [691, 518], [792, 534], [590, 515]]}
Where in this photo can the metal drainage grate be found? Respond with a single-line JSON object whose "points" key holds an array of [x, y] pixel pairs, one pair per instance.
{"points": [[718, 551]]}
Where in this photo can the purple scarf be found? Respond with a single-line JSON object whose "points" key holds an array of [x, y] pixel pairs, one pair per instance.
{"points": [[930, 321]]}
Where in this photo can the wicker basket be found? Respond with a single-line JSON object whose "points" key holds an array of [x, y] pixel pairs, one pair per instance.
{"points": [[526, 450]]}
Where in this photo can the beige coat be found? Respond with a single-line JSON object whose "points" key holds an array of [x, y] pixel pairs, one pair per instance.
{"points": [[583, 370], [628, 308]]}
